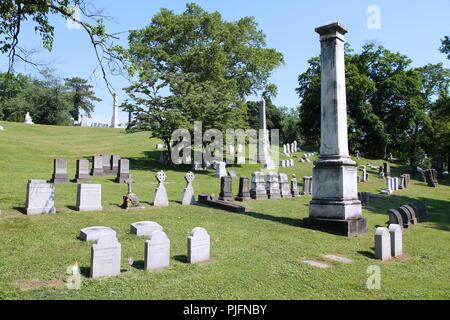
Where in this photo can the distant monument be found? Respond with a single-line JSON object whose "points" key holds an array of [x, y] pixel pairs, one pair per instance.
{"points": [[115, 122], [264, 141], [335, 207], [28, 119]]}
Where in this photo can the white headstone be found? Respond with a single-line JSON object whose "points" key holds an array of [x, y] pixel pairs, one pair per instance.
{"points": [[157, 251], [198, 246], [221, 169], [95, 233], [396, 240], [40, 197], [160, 198], [106, 256], [188, 193], [89, 197], [144, 228], [382, 244]]}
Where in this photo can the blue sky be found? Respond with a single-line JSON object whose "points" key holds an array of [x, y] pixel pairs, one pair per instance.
{"points": [[413, 28]]}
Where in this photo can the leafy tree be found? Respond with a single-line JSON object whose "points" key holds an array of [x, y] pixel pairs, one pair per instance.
{"points": [[446, 46], [195, 67], [14, 13], [83, 96]]}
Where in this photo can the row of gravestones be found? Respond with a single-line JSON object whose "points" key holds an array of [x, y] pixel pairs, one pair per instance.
{"points": [[264, 186], [364, 176], [40, 198], [409, 214], [290, 148], [430, 176], [287, 163], [388, 242], [102, 165], [106, 252], [394, 184]]}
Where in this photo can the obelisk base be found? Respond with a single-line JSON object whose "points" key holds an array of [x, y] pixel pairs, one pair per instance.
{"points": [[347, 228]]}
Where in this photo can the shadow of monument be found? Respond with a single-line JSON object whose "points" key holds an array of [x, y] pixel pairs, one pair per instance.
{"points": [[283, 220], [181, 258]]}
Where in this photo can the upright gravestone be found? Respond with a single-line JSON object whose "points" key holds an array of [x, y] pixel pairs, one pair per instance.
{"points": [[258, 190], [226, 192], [244, 189], [97, 166], [89, 197], [160, 198], [294, 186], [82, 175], [406, 217], [188, 193], [144, 228], [387, 169], [285, 189], [106, 256], [395, 217], [124, 171], [107, 169], [273, 186], [40, 197], [335, 207], [157, 251], [130, 200], [307, 185], [115, 163], [396, 240], [95, 233], [199, 243], [382, 244], [221, 169], [60, 171]]}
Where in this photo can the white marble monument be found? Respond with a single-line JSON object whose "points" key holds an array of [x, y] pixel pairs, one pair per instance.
{"points": [[335, 207], [106, 256], [157, 251], [199, 243], [89, 197], [40, 197], [160, 198], [144, 228], [115, 122]]}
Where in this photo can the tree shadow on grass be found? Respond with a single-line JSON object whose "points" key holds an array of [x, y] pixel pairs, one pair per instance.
{"points": [[283, 220], [438, 210]]}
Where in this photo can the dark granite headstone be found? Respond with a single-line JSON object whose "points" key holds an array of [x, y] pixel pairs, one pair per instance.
{"points": [[226, 189], [395, 217], [244, 189]]}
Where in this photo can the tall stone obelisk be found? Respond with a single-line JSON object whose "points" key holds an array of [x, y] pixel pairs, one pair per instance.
{"points": [[115, 122], [335, 207], [264, 156]]}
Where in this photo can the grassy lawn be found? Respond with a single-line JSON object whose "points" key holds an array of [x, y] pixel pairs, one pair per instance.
{"points": [[257, 255]]}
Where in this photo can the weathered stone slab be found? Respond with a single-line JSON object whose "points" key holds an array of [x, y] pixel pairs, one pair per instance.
{"points": [[395, 217], [157, 251], [60, 171], [294, 186], [221, 169], [82, 174], [226, 192], [285, 190], [123, 173], [317, 264], [307, 186], [97, 166], [40, 197], [107, 165], [115, 158], [199, 244], [338, 259], [89, 197], [220, 204], [95, 233], [258, 190], [396, 240], [244, 189], [273, 186], [382, 244], [420, 209], [106, 256], [144, 228]]}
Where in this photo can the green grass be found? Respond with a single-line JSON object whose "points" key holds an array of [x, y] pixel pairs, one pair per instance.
{"points": [[257, 255]]}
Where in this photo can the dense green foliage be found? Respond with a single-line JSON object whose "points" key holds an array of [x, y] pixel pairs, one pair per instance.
{"points": [[48, 99], [195, 67], [390, 105]]}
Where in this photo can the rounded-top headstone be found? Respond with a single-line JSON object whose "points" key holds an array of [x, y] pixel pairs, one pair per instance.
{"points": [[95, 233], [145, 228], [382, 231], [199, 233], [158, 237]]}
